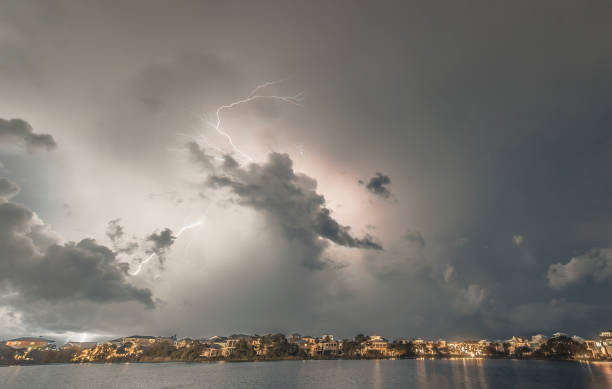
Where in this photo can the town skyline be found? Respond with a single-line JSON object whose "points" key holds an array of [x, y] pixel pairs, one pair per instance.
{"points": [[278, 346]]}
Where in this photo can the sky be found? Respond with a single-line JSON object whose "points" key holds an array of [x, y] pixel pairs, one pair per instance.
{"points": [[200, 168]]}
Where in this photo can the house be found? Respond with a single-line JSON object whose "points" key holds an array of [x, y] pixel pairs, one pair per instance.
{"points": [[309, 339], [81, 345], [518, 342], [594, 349], [229, 346], [537, 341], [327, 345], [430, 348], [606, 342], [31, 343], [294, 338], [185, 342], [140, 340], [214, 350], [376, 344], [256, 343], [308, 345], [468, 348]]}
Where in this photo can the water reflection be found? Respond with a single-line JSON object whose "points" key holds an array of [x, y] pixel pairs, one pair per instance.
{"points": [[378, 381], [421, 373], [481, 374], [604, 369]]}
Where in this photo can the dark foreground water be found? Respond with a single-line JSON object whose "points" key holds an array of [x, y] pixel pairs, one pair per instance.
{"points": [[438, 374]]}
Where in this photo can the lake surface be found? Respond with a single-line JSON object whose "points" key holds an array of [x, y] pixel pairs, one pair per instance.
{"points": [[315, 374]]}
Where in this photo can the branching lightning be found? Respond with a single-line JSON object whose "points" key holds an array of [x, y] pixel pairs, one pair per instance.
{"points": [[295, 100], [216, 125]]}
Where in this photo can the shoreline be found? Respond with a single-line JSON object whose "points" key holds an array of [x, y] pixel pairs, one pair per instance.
{"points": [[303, 360]]}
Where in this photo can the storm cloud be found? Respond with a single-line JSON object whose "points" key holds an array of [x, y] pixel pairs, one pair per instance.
{"points": [[378, 185], [159, 243], [21, 133], [198, 156], [40, 267], [291, 200]]}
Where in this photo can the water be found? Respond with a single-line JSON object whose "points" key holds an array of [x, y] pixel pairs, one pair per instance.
{"points": [[438, 374]]}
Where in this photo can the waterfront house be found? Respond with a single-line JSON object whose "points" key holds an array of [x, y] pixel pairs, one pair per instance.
{"points": [[31, 343], [377, 345], [81, 345], [214, 350], [140, 340]]}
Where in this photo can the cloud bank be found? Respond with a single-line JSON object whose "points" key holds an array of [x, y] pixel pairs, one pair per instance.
{"points": [[34, 262], [21, 133], [596, 265]]}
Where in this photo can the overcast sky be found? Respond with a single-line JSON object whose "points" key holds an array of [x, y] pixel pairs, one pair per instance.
{"points": [[433, 169]]}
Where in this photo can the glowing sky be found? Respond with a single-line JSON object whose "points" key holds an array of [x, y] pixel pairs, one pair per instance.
{"points": [[421, 170]]}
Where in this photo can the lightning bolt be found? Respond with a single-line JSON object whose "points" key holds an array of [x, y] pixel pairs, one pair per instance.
{"points": [[139, 268], [188, 227], [178, 234], [254, 95]]}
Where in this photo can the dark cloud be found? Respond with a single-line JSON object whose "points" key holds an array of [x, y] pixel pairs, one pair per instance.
{"points": [[229, 162], [159, 243], [115, 232], [21, 133], [378, 185], [292, 201], [327, 227], [198, 156], [85, 270], [57, 272], [8, 189]]}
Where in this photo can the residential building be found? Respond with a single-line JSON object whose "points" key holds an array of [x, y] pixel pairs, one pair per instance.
{"points": [[81, 345], [140, 340], [214, 350], [31, 343], [294, 338], [376, 344], [185, 342], [327, 345]]}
